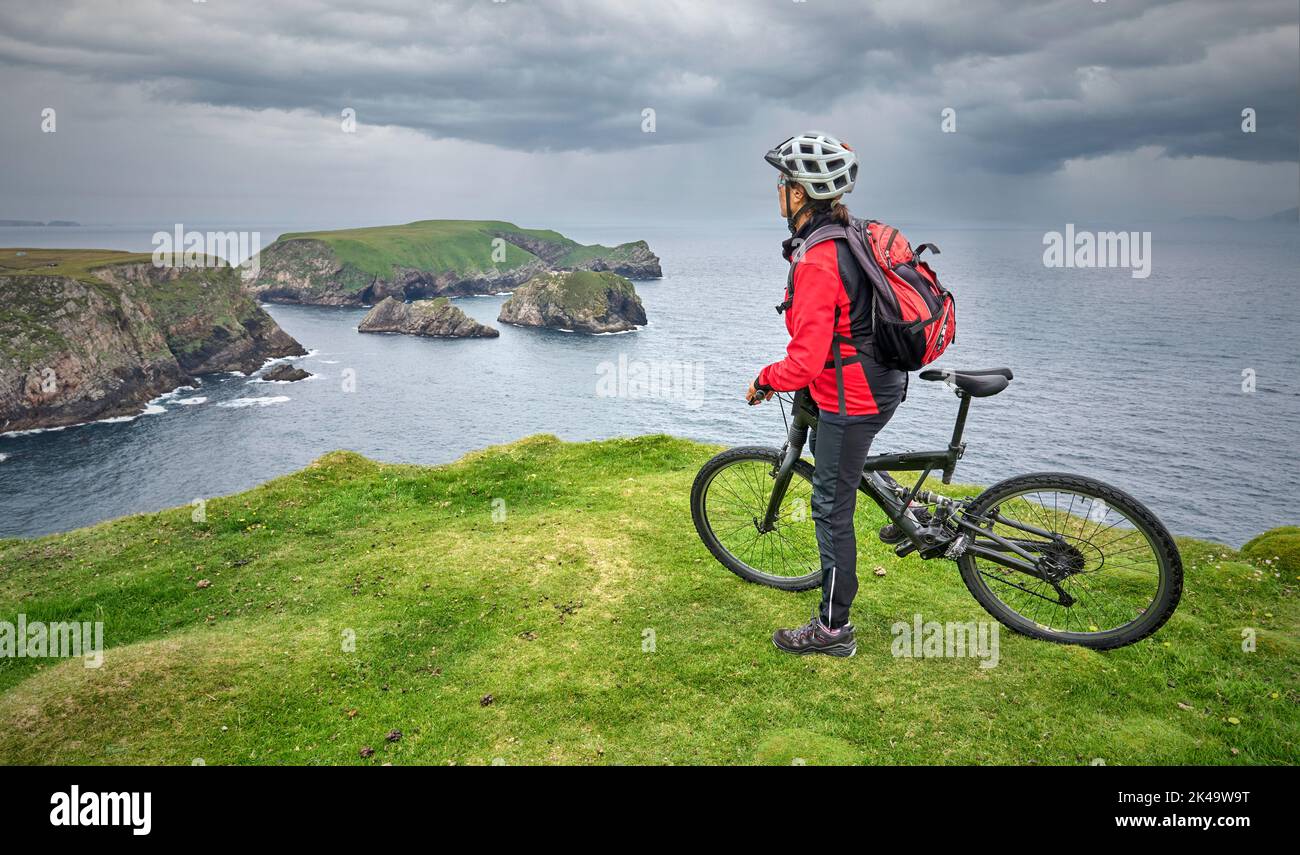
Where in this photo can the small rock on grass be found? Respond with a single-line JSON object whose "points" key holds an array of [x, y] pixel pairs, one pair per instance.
{"points": [[367, 752], [393, 735]]}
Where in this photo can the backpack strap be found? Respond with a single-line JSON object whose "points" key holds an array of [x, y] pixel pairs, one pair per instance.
{"points": [[821, 235], [838, 360], [854, 236]]}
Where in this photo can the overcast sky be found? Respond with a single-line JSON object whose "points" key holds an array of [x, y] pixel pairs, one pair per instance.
{"points": [[230, 111]]}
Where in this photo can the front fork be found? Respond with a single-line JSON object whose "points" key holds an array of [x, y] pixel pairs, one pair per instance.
{"points": [[790, 454]]}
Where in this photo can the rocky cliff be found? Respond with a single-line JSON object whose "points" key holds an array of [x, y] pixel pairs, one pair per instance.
{"points": [[430, 258], [580, 301], [89, 334], [437, 317]]}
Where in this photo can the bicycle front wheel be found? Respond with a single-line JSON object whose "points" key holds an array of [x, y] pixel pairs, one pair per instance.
{"points": [[728, 502], [1116, 563]]}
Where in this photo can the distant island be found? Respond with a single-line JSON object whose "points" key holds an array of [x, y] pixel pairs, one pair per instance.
{"points": [[429, 258], [1290, 215], [582, 301], [92, 334], [436, 318], [22, 223]]}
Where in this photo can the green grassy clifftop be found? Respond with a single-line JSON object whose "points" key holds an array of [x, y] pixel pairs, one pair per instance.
{"points": [[429, 258], [550, 602], [578, 301], [87, 334]]}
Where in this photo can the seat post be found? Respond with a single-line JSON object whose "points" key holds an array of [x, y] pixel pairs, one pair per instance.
{"points": [[955, 447]]}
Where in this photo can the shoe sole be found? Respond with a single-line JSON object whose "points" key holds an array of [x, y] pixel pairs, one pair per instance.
{"points": [[837, 651]]}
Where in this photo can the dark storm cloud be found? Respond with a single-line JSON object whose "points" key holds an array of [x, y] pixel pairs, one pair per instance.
{"points": [[1033, 83]]}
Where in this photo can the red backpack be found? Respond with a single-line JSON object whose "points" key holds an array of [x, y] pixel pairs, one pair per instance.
{"points": [[913, 317]]}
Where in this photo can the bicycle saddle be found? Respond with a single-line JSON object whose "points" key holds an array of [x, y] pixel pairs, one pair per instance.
{"points": [[976, 382]]}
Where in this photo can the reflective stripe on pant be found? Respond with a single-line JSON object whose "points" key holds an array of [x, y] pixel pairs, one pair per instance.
{"points": [[840, 446]]}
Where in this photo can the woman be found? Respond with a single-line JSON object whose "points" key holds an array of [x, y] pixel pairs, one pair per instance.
{"points": [[828, 304]]}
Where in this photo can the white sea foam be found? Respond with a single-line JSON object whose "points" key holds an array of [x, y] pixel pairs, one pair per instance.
{"points": [[275, 360], [284, 382], [238, 403], [172, 394], [189, 402], [31, 431]]}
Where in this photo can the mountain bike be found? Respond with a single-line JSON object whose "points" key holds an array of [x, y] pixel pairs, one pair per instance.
{"points": [[1058, 557]]}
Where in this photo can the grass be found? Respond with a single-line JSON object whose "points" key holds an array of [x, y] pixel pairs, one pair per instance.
{"points": [[458, 246], [32, 323], [502, 609], [72, 263], [577, 290]]}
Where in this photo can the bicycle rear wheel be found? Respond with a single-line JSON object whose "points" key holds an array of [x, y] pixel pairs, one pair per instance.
{"points": [[728, 502], [1105, 550]]}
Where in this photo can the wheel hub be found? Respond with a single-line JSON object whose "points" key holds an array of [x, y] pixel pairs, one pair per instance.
{"points": [[1062, 560]]}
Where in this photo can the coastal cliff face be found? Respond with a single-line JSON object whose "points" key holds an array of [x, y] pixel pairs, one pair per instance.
{"points": [[87, 335], [431, 258], [436, 318], [579, 301]]}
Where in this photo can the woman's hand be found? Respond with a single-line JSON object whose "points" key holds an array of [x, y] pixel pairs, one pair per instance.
{"points": [[755, 395]]}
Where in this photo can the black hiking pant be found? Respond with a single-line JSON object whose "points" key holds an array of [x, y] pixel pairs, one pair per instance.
{"points": [[840, 446]]}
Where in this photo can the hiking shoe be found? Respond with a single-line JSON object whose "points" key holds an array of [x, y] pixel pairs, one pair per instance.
{"points": [[815, 637], [893, 534]]}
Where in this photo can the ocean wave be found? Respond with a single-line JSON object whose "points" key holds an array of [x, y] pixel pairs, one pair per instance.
{"points": [[239, 403], [189, 402], [31, 431], [311, 354], [165, 396]]}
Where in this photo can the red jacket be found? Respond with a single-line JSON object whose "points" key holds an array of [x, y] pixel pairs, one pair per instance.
{"points": [[825, 278]]}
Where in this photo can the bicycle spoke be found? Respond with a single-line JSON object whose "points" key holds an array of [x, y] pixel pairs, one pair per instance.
{"points": [[1100, 555], [736, 501]]}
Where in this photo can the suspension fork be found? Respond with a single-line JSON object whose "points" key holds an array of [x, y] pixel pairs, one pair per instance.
{"points": [[791, 452]]}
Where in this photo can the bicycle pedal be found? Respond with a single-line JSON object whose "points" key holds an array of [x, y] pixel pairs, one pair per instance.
{"points": [[957, 548]]}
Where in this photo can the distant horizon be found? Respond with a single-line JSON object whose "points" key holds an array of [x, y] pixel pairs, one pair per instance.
{"points": [[756, 222]]}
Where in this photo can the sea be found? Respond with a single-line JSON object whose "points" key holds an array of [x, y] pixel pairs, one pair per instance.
{"points": [[1181, 387]]}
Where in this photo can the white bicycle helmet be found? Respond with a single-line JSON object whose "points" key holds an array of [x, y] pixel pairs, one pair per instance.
{"points": [[820, 163]]}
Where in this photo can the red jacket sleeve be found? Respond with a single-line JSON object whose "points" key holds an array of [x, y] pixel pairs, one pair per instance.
{"points": [[812, 324]]}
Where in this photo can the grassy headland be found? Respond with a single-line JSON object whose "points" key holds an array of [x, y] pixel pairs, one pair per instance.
{"points": [[546, 602], [451, 246]]}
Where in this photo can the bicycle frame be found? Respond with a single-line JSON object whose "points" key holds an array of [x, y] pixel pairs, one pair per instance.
{"points": [[930, 540]]}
